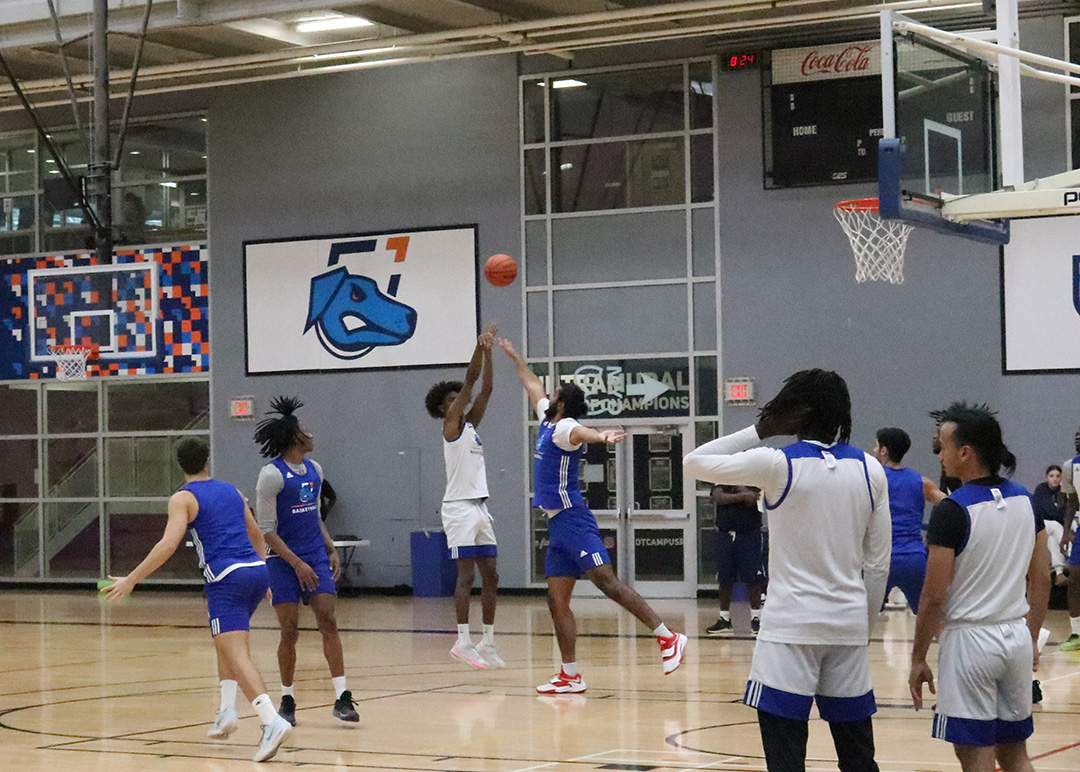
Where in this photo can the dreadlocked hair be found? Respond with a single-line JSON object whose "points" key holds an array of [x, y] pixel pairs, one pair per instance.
{"points": [[277, 435], [823, 396], [977, 428], [437, 395]]}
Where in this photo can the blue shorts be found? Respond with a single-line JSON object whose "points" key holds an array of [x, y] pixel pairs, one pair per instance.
{"points": [[907, 570], [286, 587], [1074, 555], [738, 558], [233, 599], [574, 544]]}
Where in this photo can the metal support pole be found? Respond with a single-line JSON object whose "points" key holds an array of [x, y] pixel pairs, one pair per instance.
{"points": [[1011, 117], [100, 177]]}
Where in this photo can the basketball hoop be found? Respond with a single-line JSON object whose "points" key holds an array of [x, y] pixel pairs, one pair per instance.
{"points": [[71, 361], [878, 244]]}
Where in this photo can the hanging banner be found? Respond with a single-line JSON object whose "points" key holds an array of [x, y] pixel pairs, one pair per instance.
{"points": [[632, 388]]}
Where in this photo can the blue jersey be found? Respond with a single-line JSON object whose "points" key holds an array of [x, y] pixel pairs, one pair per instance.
{"points": [[906, 504], [555, 472], [298, 510], [219, 530]]}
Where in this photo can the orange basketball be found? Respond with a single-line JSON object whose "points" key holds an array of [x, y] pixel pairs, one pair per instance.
{"points": [[500, 270]]}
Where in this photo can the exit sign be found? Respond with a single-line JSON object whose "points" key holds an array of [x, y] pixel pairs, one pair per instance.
{"points": [[242, 407], [739, 391]]}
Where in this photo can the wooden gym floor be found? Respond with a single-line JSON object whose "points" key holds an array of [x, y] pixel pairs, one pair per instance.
{"points": [[132, 688]]}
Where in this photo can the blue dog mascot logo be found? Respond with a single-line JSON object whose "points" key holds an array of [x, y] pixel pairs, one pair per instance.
{"points": [[349, 312]]}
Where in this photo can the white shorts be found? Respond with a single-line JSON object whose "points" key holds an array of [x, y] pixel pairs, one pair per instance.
{"points": [[468, 527], [984, 685], [786, 678]]}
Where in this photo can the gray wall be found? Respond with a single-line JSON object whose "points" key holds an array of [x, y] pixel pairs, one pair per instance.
{"points": [[437, 145], [387, 149]]}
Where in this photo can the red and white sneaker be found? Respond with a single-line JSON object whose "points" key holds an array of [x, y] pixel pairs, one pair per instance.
{"points": [[671, 649], [563, 684]]}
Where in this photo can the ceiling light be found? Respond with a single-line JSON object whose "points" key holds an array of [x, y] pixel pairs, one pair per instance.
{"points": [[568, 83], [332, 23], [31, 150], [167, 184], [566, 166], [136, 152], [54, 171], [50, 160]]}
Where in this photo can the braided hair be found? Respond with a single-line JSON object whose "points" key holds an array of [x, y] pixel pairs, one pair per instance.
{"points": [[823, 396], [977, 428], [277, 435]]}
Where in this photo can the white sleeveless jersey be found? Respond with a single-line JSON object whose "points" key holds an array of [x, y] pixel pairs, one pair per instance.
{"points": [[466, 475]]}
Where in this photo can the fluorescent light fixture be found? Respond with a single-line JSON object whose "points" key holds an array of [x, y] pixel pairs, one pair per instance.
{"points": [[31, 150], [50, 160], [136, 152], [568, 83], [566, 166], [331, 23], [54, 171], [167, 184]]}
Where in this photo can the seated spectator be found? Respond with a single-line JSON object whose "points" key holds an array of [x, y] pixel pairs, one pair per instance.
{"points": [[1048, 501]]}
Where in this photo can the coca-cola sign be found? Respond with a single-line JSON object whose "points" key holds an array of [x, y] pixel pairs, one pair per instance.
{"points": [[844, 60]]}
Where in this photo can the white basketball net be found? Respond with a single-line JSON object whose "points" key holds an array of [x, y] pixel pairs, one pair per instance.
{"points": [[878, 244], [70, 362]]}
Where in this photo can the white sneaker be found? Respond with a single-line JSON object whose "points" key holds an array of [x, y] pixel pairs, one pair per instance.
{"points": [[563, 684], [468, 654], [274, 735], [489, 655], [224, 724], [671, 650]]}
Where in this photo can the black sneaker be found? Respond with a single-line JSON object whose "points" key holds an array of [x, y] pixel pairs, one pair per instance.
{"points": [[288, 709], [755, 625], [1036, 693], [722, 627], [343, 707]]}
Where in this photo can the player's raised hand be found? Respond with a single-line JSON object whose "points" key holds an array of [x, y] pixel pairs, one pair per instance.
{"points": [[508, 347], [920, 674], [488, 337]]}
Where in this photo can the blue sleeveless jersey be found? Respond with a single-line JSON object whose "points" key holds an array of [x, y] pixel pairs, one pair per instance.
{"points": [[555, 473], [906, 504], [298, 510], [219, 531]]}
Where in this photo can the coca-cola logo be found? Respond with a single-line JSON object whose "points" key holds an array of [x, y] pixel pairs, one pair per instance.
{"points": [[851, 60]]}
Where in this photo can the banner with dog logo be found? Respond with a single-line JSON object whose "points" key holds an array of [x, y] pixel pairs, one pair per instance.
{"points": [[402, 299], [1040, 280]]}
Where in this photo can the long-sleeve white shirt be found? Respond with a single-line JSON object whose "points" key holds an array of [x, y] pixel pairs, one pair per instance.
{"points": [[830, 533]]}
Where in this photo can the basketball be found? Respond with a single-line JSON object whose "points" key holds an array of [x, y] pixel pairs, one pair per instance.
{"points": [[500, 270]]}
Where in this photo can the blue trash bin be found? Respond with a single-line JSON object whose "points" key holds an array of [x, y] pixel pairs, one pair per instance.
{"points": [[433, 572]]}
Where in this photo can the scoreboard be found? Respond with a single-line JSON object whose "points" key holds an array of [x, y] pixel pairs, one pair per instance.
{"points": [[823, 115]]}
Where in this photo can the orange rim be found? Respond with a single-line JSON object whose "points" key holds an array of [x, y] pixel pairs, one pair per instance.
{"points": [[859, 205]]}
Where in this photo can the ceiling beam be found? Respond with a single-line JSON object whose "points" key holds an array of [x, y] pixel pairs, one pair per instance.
{"points": [[509, 10]]}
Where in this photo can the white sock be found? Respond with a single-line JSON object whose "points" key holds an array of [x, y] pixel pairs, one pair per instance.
{"points": [[755, 613], [1074, 623], [265, 708], [570, 668], [339, 686], [287, 691], [725, 615], [228, 694], [662, 631], [489, 634], [463, 634]]}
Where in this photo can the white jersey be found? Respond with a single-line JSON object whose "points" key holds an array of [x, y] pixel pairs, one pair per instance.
{"points": [[989, 582], [1070, 475], [830, 533], [466, 475]]}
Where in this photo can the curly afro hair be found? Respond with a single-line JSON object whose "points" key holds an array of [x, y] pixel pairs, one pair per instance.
{"points": [[437, 395]]}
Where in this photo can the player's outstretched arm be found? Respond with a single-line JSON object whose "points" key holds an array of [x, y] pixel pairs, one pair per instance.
{"points": [[584, 434], [1038, 590], [452, 421], [734, 459], [533, 387], [183, 507], [487, 382]]}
